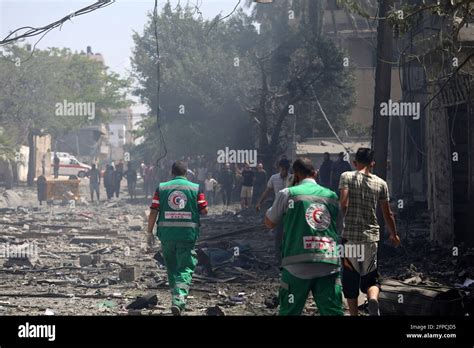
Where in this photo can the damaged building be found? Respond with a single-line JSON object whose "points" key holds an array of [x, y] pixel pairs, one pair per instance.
{"points": [[432, 157]]}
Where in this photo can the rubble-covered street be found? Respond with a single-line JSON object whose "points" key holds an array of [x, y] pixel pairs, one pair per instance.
{"points": [[91, 259]]}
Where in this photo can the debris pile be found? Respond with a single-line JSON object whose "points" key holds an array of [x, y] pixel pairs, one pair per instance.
{"points": [[90, 259]]}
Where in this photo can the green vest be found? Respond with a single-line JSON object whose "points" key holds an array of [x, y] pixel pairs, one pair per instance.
{"points": [[178, 219], [310, 233]]}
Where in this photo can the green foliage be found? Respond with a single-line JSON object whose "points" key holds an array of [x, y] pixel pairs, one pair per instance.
{"points": [[7, 145], [32, 85], [202, 73], [214, 70]]}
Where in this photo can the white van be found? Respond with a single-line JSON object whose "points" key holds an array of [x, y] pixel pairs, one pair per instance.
{"points": [[71, 166], [61, 155]]}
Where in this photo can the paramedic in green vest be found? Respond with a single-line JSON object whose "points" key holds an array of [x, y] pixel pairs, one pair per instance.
{"points": [[176, 208], [310, 258]]}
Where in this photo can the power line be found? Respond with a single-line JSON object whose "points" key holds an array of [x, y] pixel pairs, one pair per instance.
{"points": [[328, 122], [32, 31], [43, 31], [217, 20]]}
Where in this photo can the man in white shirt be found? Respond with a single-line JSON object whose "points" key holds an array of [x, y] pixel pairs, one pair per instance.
{"points": [[276, 183], [209, 188]]}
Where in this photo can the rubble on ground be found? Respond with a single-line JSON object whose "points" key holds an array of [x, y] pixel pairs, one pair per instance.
{"points": [[90, 259]]}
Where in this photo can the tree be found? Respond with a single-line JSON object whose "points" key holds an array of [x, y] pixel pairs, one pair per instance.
{"points": [[230, 78], [297, 66], [34, 83], [204, 66]]}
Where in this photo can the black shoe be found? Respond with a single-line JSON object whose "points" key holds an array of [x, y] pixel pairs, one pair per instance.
{"points": [[373, 307], [176, 311]]}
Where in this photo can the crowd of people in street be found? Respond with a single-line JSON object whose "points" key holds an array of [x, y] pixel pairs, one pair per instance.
{"points": [[222, 183], [112, 178]]}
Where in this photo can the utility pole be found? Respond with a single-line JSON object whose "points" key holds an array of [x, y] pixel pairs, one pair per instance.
{"points": [[383, 81]]}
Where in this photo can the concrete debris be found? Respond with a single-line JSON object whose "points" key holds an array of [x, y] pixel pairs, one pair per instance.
{"points": [[215, 311], [127, 274], [90, 240], [413, 280], [10, 199], [91, 262], [419, 300], [133, 226], [271, 302], [147, 301]]}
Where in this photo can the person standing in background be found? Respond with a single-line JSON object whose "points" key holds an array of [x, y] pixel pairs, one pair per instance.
{"points": [[94, 182], [56, 162], [43, 165], [119, 167], [118, 175], [226, 179], [260, 183], [324, 176], [201, 173], [109, 181], [131, 175], [276, 183], [248, 178], [142, 169], [210, 188], [148, 180], [338, 167]]}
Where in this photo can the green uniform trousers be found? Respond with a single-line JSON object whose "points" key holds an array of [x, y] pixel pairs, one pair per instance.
{"points": [[327, 292], [181, 261]]}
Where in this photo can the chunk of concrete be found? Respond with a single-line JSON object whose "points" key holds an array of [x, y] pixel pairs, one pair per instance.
{"points": [[127, 274], [12, 199], [90, 240], [88, 260]]}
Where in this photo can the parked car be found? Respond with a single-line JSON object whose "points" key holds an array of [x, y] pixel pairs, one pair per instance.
{"points": [[61, 155], [71, 166]]}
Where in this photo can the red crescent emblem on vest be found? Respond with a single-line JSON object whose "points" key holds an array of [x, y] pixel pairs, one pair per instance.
{"points": [[177, 200], [317, 213], [318, 216]]}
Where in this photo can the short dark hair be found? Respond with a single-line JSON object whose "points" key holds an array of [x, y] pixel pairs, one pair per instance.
{"points": [[284, 163], [303, 166], [179, 168], [364, 156]]}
